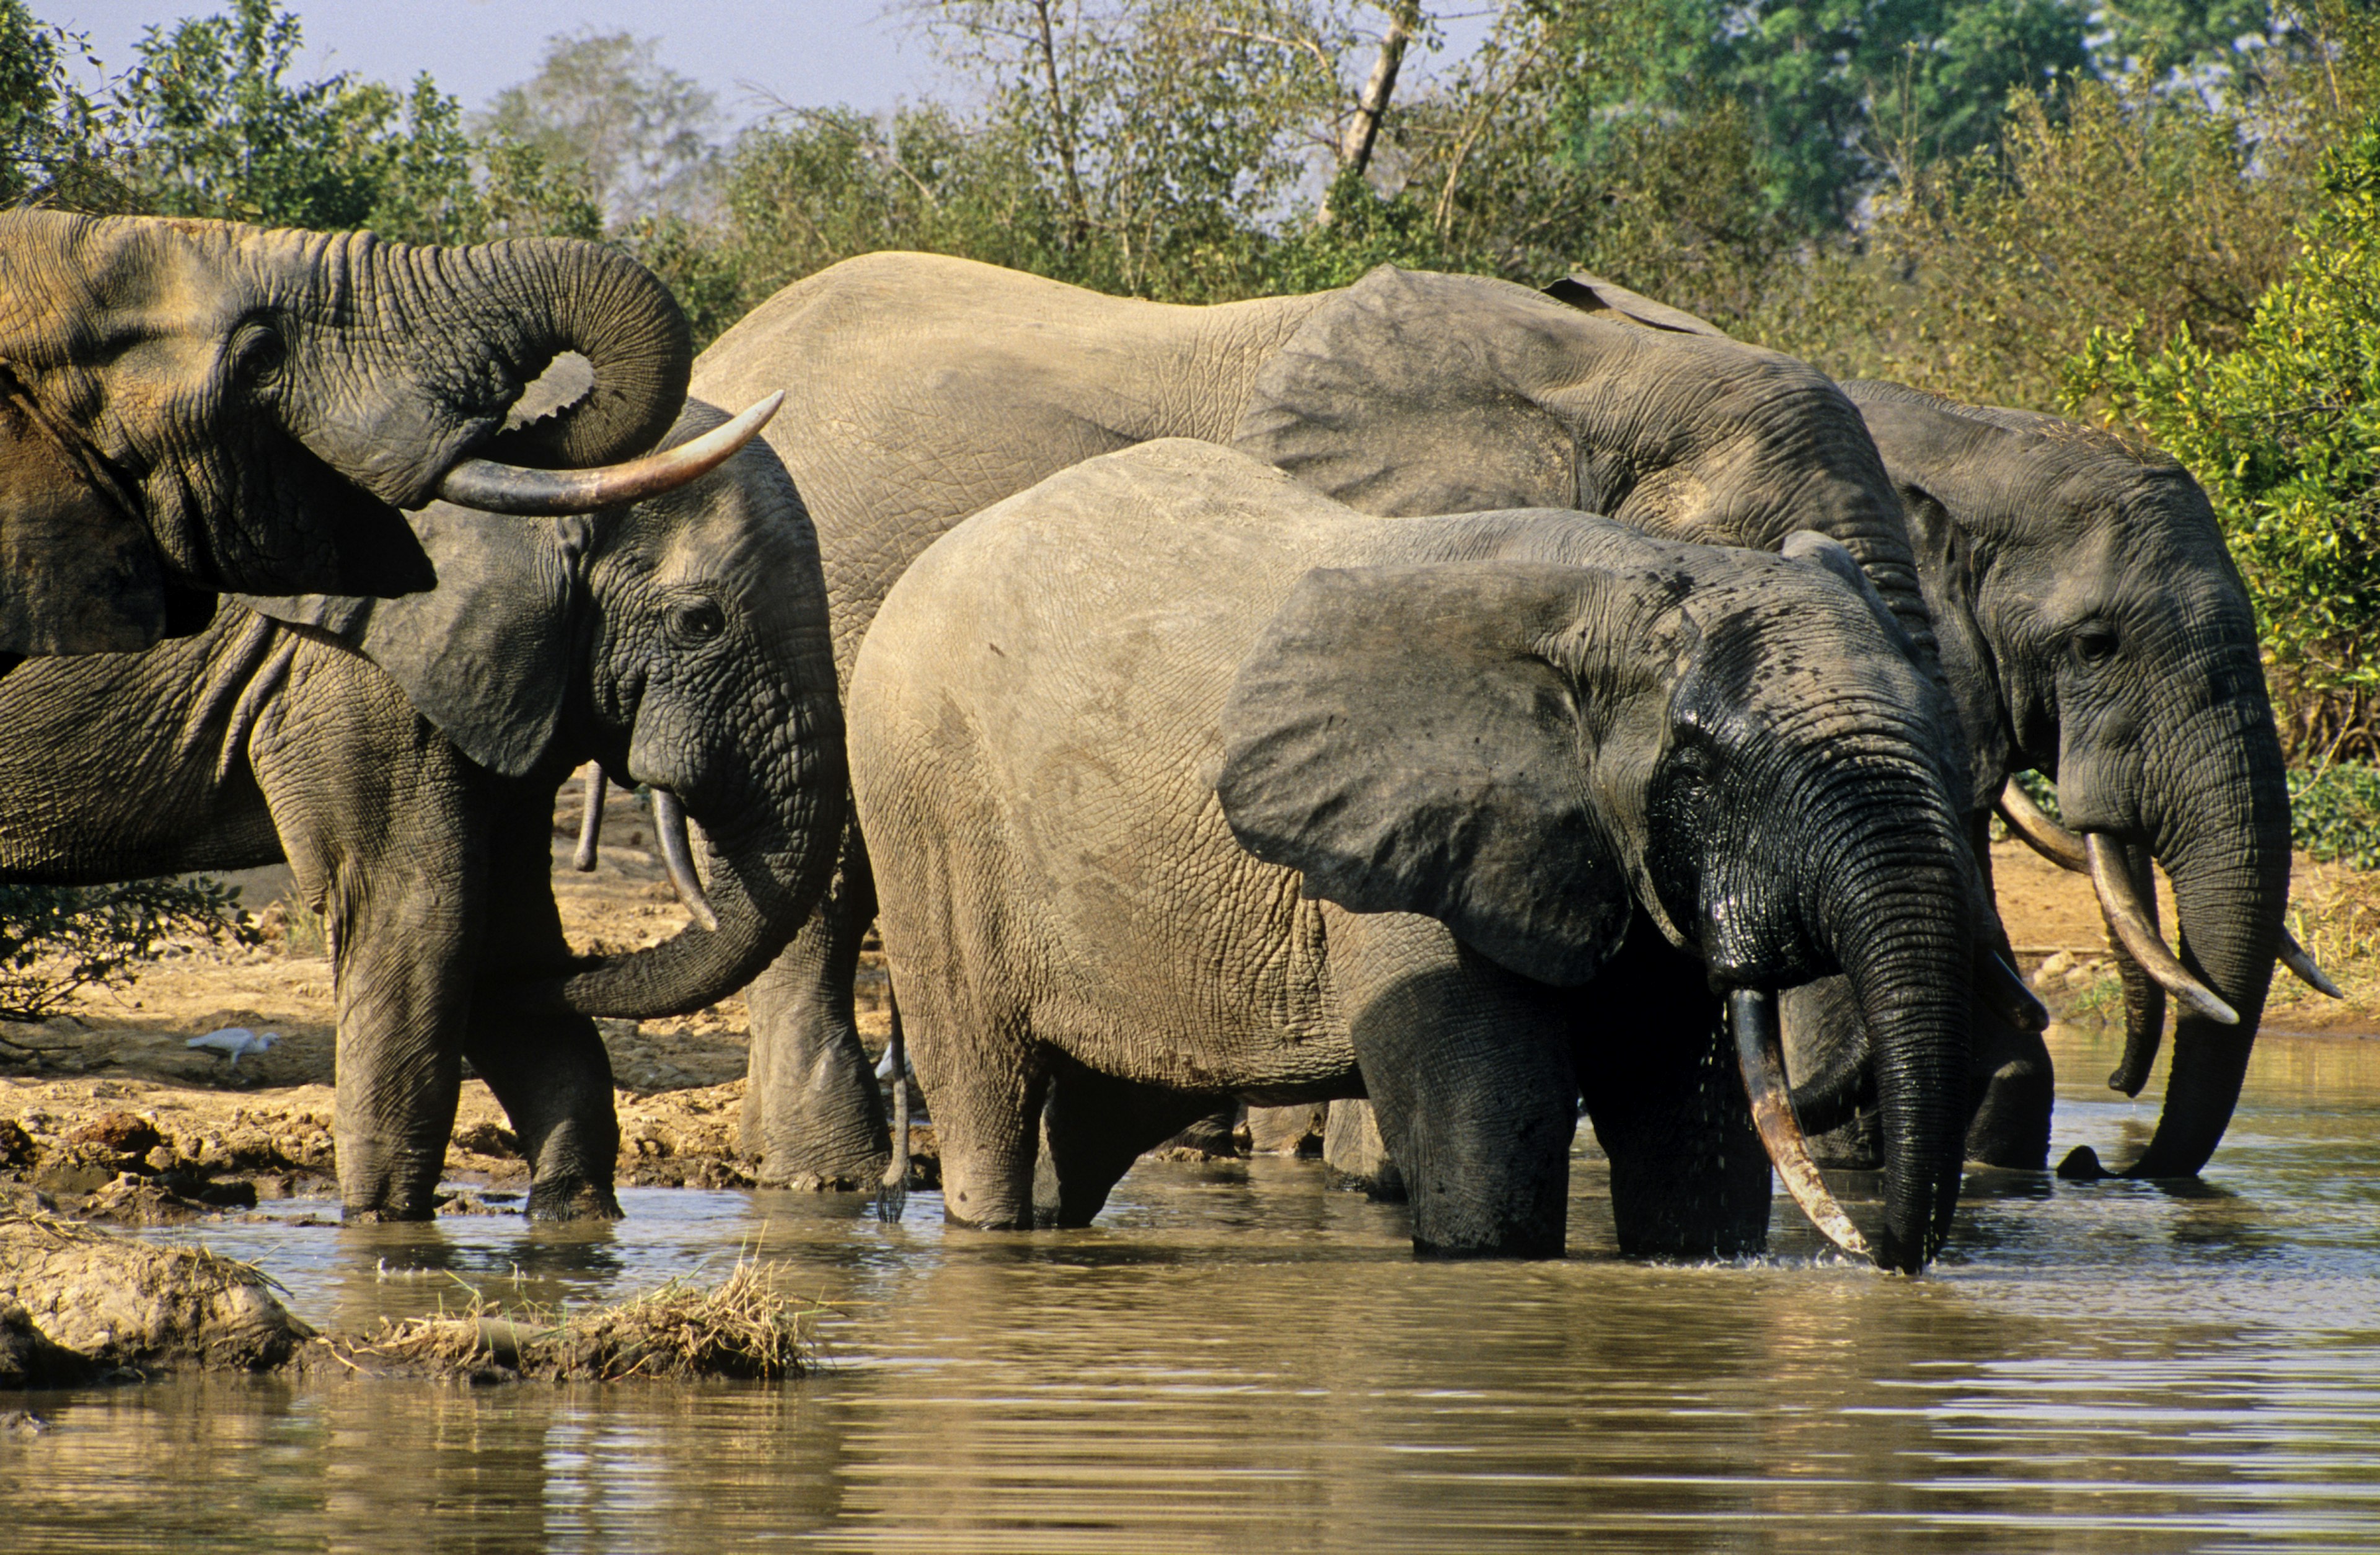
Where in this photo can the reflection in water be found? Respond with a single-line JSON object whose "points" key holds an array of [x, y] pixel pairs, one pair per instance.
{"points": [[1240, 1358]]}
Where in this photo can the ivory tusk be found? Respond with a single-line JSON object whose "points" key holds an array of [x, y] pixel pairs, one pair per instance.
{"points": [[2066, 850], [591, 822], [892, 1192], [1753, 1013], [2111, 877], [550, 493], [678, 856], [2294, 958], [2045, 837]]}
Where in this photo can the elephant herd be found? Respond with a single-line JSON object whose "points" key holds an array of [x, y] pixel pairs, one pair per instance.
{"points": [[1469, 698]]}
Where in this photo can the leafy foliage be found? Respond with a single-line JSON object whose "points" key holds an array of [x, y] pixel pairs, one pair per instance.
{"points": [[2334, 814], [55, 941], [2283, 430]]}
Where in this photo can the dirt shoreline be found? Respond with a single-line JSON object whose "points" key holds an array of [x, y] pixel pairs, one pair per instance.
{"points": [[110, 1116]]}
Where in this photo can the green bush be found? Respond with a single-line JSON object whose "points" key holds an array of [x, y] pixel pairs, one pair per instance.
{"points": [[57, 941], [2334, 814], [2284, 433]]}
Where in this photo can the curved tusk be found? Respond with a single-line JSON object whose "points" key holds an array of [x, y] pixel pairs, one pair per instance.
{"points": [[669, 821], [2294, 958], [2111, 877], [1753, 1013], [2045, 837], [2004, 992], [551, 493], [591, 822]]}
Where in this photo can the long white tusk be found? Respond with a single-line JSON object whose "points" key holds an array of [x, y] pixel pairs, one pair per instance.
{"points": [[2065, 849], [591, 822], [2112, 879], [1761, 1053], [550, 493], [678, 856], [2294, 958], [2039, 832]]}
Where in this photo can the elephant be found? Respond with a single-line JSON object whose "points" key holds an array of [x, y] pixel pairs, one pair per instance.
{"points": [[2087, 600], [193, 408], [923, 389], [1184, 780], [2092, 627], [404, 756]]}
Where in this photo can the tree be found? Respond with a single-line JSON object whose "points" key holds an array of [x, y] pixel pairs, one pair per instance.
{"points": [[2283, 429], [632, 134], [56, 144]]}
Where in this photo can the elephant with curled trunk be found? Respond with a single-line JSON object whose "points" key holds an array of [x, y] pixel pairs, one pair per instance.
{"points": [[402, 755], [190, 406], [923, 389], [1184, 780]]}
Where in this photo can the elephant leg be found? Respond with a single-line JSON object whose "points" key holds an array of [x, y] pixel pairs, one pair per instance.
{"points": [[397, 867], [1355, 1156], [2015, 1087], [548, 1069], [1470, 1079], [1658, 1068], [812, 1112], [1095, 1127]]}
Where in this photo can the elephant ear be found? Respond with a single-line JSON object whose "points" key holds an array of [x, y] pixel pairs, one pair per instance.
{"points": [[1399, 734], [1593, 294], [1413, 393], [1946, 572], [486, 655]]}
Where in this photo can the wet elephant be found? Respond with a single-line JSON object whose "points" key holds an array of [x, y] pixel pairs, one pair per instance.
{"points": [[1509, 805], [189, 406], [404, 756], [923, 389]]}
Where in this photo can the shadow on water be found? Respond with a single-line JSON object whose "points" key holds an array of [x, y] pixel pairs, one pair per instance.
{"points": [[1244, 1358]]}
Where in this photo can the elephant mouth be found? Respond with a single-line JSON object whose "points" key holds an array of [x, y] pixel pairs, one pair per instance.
{"points": [[2127, 902]]}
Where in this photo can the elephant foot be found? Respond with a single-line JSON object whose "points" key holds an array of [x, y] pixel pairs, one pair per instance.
{"points": [[2082, 1165], [573, 1200], [1526, 1243], [1354, 1156], [386, 1214]]}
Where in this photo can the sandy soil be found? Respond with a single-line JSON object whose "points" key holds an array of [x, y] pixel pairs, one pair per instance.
{"points": [[112, 1115]]}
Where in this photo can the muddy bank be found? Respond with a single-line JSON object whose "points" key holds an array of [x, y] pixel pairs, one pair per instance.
{"points": [[79, 1305]]}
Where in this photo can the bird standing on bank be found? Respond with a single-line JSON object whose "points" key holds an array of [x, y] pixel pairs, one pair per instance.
{"points": [[234, 1042]]}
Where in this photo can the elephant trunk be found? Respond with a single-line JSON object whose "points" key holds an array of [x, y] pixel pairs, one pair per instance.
{"points": [[469, 328], [2226, 844], [1900, 918], [757, 897], [596, 301]]}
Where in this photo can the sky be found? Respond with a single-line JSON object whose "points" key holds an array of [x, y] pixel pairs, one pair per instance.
{"points": [[809, 52]]}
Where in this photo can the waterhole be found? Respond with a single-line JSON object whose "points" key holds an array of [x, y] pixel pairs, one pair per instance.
{"points": [[1239, 1358]]}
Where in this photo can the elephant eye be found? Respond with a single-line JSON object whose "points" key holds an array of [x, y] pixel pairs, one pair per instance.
{"points": [[258, 354], [2094, 644], [697, 620]]}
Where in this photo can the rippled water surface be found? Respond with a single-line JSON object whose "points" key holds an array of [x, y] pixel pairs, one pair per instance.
{"points": [[1237, 1358]]}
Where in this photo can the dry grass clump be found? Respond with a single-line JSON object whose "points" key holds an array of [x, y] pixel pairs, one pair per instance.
{"points": [[740, 1327], [2335, 912]]}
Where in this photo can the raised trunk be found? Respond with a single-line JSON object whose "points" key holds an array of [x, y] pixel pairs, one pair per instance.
{"points": [[468, 328], [2226, 844]]}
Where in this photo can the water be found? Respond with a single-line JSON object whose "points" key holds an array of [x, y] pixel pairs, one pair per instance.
{"points": [[1238, 1359]]}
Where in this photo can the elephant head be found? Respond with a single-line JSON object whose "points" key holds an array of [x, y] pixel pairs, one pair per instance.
{"points": [[189, 406], [680, 641], [2090, 610], [1535, 752], [1414, 392]]}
